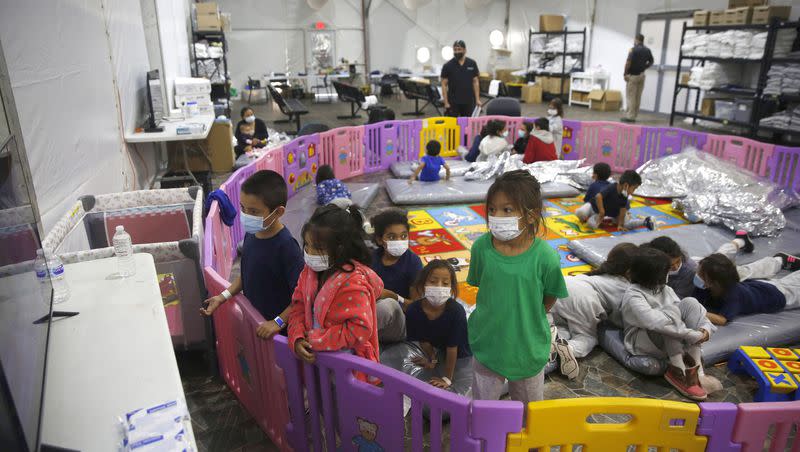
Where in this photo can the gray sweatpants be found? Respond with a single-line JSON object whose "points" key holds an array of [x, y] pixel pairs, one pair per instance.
{"points": [[587, 215], [661, 346], [391, 320], [488, 385], [578, 315], [789, 286]]}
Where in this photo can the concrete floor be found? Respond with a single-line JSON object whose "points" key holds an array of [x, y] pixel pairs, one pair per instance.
{"points": [[222, 424]]}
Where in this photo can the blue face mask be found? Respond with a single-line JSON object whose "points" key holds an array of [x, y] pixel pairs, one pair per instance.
{"points": [[698, 282], [253, 223]]}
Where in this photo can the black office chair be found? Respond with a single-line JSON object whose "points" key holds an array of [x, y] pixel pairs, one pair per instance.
{"points": [[503, 106], [388, 83], [348, 93]]}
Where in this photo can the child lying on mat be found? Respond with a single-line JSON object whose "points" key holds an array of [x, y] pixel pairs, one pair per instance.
{"points": [[329, 187], [727, 296], [593, 297], [438, 322], [431, 163], [614, 201], [398, 267], [659, 324]]}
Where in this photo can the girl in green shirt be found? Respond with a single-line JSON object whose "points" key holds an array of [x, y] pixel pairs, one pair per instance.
{"points": [[519, 278]]}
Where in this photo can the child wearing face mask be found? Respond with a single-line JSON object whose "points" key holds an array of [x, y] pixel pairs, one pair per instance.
{"points": [[250, 132], [495, 142], [333, 307], [271, 258], [614, 201], [659, 324], [438, 322], [329, 187], [555, 111], [518, 276], [398, 267], [523, 134], [541, 147], [727, 296]]}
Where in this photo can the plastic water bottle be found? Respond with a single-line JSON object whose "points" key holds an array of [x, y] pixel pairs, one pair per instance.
{"points": [[40, 269], [123, 248], [57, 278]]}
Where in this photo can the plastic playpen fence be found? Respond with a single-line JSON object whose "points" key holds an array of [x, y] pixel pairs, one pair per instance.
{"points": [[362, 414], [474, 126]]}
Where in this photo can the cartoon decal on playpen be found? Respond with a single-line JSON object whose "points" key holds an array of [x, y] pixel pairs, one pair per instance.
{"points": [[366, 441]]}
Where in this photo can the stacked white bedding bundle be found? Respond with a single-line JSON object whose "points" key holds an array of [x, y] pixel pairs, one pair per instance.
{"points": [[709, 76], [784, 41], [757, 45], [726, 44], [558, 65], [783, 79], [785, 120]]}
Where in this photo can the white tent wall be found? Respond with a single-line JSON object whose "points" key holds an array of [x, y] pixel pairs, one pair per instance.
{"points": [[173, 28], [68, 89]]}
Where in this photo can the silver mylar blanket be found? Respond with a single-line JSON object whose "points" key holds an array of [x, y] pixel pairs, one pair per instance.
{"points": [[570, 172]]}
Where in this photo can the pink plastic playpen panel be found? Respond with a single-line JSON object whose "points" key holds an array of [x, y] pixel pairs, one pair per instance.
{"points": [[474, 126], [271, 160], [754, 420], [146, 225], [343, 150], [218, 251], [300, 162], [747, 154], [658, 142], [612, 143], [784, 167]]}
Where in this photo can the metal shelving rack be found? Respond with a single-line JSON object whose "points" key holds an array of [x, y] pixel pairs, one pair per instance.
{"points": [[563, 54], [750, 127], [218, 90]]}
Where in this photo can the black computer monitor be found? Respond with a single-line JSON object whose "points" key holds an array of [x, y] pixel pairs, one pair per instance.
{"points": [[155, 103]]}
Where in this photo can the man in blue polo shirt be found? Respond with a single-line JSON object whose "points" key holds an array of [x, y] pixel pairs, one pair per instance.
{"points": [[460, 83]]}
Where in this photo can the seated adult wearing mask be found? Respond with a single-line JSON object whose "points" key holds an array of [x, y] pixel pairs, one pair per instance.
{"points": [[250, 132]]}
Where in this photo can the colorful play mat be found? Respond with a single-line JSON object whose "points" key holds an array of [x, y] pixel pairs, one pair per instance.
{"points": [[448, 232]]}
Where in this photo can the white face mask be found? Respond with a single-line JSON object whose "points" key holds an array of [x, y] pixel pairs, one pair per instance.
{"points": [[675, 272], [315, 262], [436, 295], [552, 112], [521, 133], [625, 193], [504, 228], [396, 247], [505, 133], [250, 119]]}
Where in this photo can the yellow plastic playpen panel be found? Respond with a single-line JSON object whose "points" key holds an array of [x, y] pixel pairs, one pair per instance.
{"points": [[650, 423], [444, 130]]}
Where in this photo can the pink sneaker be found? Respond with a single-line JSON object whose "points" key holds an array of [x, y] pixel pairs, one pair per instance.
{"points": [[687, 383]]}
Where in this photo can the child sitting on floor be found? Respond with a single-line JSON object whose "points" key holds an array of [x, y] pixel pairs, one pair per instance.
{"points": [[683, 269], [271, 258], [474, 149], [541, 147], [601, 172], [333, 307], [438, 322], [555, 111], [720, 288], [659, 324], [398, 267], [613, 201], [494, 142], [329, 187], [431, 163]]}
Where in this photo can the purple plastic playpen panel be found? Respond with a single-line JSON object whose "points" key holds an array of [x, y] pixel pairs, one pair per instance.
{"points": [[784, 167], [493, 420], [369, 415], [408, 139], [271, 160], [745, 153], [754, 420], [569, 142], [232, 188], [656, 142], [300, 162], [716, 422], [382, 145], [613, 143], [474, 126]]}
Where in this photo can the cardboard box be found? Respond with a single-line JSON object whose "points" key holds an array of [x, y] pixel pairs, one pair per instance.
{"points": [[707, 107], [192, 85], [764, 14], [738, 16], [552, 86], [608, 100], [218, 146], [208, 22], [685, 78], [504, 75], [532, 94], [716, 18], [737, 3], [551, 22], [206, 8], [757, 2], [580, 97], [700, 18]]}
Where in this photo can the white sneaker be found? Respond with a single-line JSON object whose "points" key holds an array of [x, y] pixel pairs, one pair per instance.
{"points": [[553, 339], [569, 364]]}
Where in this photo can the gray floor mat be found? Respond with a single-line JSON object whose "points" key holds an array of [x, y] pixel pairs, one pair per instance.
{"points": [[406, 169], [302, 205], [457, 190]]}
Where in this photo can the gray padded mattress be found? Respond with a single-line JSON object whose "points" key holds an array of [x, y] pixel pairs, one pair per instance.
{"points": [[457, 190], [406, 169], [300, 206]]}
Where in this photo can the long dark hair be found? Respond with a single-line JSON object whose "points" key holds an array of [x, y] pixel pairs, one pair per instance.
{"points": [[419, 284], [668, 246], [495, 127], [525, 193], [649, 268], [720, 270], [618, 262], [341, 233]]}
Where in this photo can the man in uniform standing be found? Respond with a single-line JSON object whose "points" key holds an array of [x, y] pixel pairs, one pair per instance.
{"points": [[639, 59], [460, 83]]}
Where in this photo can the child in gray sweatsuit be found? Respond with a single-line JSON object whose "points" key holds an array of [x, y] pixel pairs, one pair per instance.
{"points": [[659, 324]]}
